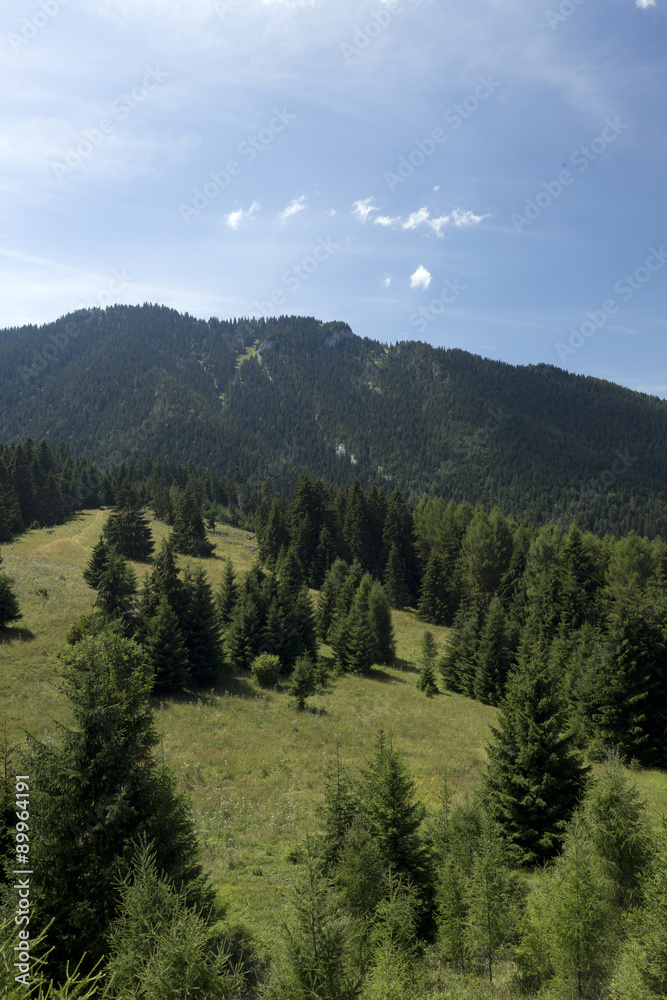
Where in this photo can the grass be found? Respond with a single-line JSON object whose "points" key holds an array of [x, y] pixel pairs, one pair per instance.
{"points": [[252, 765]]}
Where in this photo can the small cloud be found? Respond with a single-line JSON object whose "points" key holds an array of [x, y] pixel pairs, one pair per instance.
{"points": [[417, 218], [386, 282], [643, 4], [294, 207], [421, 278], [363, 208], [234, 219], [437, 187], [385, 220], [466, 218], [332, 211]]}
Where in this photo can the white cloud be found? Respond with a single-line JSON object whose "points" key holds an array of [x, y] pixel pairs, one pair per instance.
{"points": [[646, 3], [461, 217], [385, 220], [421, 278], [234, 219], [332, 211], [363, 208], [386, 282], [295, 206], [417, 218]]}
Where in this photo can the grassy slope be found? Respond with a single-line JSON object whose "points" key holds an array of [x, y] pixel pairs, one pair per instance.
{"points": [[251, 764]]}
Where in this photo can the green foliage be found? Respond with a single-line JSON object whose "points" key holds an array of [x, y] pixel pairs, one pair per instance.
{"points": [[9, 605], [379, 617], [303, 682], [117, 588], [429, 651], [201, 631], [266, 670], [160, 947], [98, 788], [534, 776], [127, 529], [97, 564], [166, 651], [227, 595]]}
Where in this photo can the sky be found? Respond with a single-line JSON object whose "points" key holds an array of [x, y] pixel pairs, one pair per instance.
{"points": [[487, 175]]}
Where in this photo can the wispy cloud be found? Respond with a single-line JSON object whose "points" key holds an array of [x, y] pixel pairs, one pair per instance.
{"points": [[363, 208], [295, 206], [646, 3], [234, 219], [421, 278], [386, 282], [458, 217]]}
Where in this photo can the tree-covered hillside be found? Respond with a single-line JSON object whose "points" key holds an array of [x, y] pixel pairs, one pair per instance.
{"points": [[276, 396]]}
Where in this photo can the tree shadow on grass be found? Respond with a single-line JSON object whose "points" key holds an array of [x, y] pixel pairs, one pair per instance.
{"points": [[405, 665], [377, 674], [16, 634]]}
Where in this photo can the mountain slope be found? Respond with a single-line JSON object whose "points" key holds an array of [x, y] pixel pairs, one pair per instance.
{"points": [[275, 396]]}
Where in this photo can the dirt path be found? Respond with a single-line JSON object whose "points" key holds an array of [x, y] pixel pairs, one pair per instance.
{"points": [[99, 514]]}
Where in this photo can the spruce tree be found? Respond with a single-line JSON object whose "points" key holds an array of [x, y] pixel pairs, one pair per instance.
{"points": [[9, 605], [379, 618], [127, 529], [395, 585], [390, 813], [97, 789], [534, 777], [493, 657], [201, 630], [429, 651], [227, 594], [243, 637], [303, 681], [432, 607], [167, 653], [97, 563], [189, 534], [338, 811], [117, 588]]}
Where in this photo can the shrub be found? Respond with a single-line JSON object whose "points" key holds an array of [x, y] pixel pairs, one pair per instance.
{"points": [[266, 670]]}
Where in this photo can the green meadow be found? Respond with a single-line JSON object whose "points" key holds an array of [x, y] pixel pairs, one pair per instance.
{"points": [[253, 766]]}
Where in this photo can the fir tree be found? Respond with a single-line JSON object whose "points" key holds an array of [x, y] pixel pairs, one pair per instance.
{"points": [[189, 535], [391, 815], [432, 605], [395, 584], [338, 810], [166, 650], [493, 657], [303, 682], [117, 588], [127, 529], [380, 621], [97, 564], [97, 789], [429, 651], [9, 605], [227, 595], [201, 631], [244, 633], [534, 777]]}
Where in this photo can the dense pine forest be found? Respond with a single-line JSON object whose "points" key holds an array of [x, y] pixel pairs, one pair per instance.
{"points": [[273, 397], [520, 512]]}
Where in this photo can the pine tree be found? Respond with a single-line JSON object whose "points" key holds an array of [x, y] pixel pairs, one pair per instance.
{"points": [[227, 594], [534, 777], [160, 496], [189, 534], [201, 631], [127, 529], [166, 650], [291, 571], [379, 618], [303, 682], [244, 633], [117, 587], [493, 657], [97, 789], [429, 651], [9, 605], [391, 815], [338, 810], [97, 564], [432, 607], [395, 584]]}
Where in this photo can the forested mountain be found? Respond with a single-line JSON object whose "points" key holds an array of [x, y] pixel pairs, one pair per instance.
{"points": [[272, 397]]}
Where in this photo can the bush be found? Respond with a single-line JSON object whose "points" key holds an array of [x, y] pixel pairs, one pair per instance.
{"points": [[266, 670]]}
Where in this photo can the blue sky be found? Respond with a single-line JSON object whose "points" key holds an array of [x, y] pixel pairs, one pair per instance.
{"points": [[488, 175]]}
